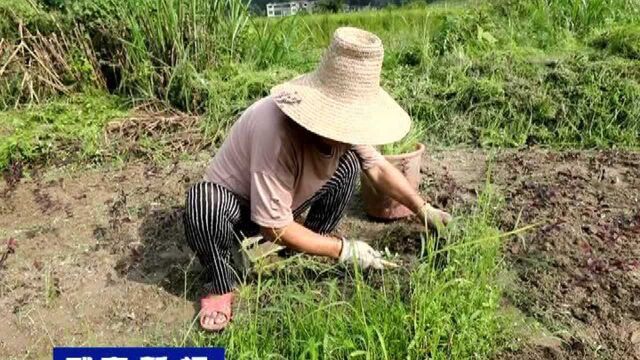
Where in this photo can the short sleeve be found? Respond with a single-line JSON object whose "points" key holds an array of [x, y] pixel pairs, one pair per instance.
{"points": [[368, 155], [270, 200]]}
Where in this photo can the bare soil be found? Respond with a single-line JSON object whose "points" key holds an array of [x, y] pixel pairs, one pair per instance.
{"points": [[101, 257], [578, 273]]}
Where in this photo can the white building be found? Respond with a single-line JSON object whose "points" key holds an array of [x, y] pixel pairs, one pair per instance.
{"points": [[289, 8]]}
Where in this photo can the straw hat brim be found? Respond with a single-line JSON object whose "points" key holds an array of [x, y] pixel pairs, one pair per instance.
{"points": [[376, 121]]}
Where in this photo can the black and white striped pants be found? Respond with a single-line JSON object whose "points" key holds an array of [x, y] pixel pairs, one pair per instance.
{"points": [[216, 220]]}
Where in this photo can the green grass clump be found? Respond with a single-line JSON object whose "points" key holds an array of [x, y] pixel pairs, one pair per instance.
{"points": [[307, 309], [508, 100], [623, 41], [64, 129], [409, 143]]}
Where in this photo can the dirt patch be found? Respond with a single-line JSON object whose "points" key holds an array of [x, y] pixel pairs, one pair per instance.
{"points": [[101, 257], [578, 272], [87, 271]]}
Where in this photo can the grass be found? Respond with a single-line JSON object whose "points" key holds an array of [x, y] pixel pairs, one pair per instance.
{"points": [[67, 129], [409, 143], [168, 42], [50, 286], [503, 100], [508, 73], [302, 308]]}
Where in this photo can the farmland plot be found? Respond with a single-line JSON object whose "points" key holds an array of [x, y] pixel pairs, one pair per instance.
{"points": [[530, 111], [101, 256]]}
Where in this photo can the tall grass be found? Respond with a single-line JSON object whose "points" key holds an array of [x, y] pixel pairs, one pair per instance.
{"points": [[168, 43], [580, 16], [301, 308]]}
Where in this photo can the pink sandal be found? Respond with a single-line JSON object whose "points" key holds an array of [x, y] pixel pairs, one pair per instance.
{"points": [[216, 304]]}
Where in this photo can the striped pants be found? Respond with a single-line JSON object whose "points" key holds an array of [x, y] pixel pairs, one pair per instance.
{"points": [[216, 220]]}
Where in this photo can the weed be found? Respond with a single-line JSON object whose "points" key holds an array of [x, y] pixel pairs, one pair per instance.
{"points": [[50, 286], [302, 309]]}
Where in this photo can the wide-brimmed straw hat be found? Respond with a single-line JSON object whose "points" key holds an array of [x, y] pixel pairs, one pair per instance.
{"points": [[342, 99]]}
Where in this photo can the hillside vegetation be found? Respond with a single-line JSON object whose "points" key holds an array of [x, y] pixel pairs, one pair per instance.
{"points": [[500, 73]]}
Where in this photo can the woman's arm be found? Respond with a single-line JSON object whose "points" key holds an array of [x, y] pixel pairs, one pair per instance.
{"points": [[390, 181], [299, 238]]}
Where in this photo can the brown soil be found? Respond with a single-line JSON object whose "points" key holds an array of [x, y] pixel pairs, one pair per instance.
{"points": [[101, 258], [578, 273]]}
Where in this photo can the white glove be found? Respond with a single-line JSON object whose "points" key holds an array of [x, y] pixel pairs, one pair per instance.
{"points": [[435, 217], [360, 252]]}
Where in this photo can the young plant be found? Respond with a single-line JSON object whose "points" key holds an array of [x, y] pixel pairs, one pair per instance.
{"points": [[408, 144]]}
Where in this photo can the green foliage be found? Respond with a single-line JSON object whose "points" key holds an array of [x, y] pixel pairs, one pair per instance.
{"points": [[26, 13], [622, 41], [65, 129], [500, 99], [231, 90], [572, 15], [330, 6], [168, 42], [505, 73], [437, 310], [274, 45], [409, 143]]}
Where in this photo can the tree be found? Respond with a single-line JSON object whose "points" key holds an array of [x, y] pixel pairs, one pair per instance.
{"points": [[333, 6]]}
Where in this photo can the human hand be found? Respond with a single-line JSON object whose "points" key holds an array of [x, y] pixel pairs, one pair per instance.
{"points": [[362, 253], [434, 217]]}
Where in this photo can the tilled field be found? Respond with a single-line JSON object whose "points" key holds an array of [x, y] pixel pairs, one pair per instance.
{"points": [[101, 258]]}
